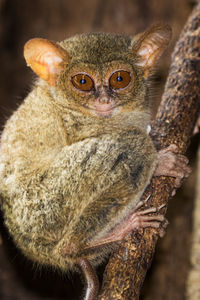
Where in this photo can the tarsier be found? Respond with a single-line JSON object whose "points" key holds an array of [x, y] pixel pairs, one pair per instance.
{"points": [[76, 157]]}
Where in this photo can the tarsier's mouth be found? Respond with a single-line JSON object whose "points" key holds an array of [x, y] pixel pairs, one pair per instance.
{"points": [[104, 109], [102, 112]]}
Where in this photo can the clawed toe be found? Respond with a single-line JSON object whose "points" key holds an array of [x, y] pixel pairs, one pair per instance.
{"points": [[143, 219]]}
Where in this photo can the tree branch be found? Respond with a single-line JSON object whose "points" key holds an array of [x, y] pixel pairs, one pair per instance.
{"points": [[174, 124]]}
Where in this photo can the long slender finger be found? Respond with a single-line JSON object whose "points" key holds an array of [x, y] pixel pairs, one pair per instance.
{"points": [[145, 218]]}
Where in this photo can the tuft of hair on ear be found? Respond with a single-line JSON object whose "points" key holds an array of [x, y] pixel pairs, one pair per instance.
{"points": [[150, 45], [46, 58]]}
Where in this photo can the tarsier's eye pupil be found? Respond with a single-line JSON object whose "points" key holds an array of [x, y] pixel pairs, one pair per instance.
{"points": [[83, 82], [120, 79]]}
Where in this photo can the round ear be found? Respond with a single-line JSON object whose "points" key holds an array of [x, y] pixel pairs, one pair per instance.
{"points": [[149, 45], [47, 59]]}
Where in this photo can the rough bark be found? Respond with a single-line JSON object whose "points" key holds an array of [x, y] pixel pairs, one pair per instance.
{"points": [[175, 120]]}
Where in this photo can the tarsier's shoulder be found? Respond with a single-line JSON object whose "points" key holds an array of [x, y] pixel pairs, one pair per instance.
{"points": [[34, 123]]}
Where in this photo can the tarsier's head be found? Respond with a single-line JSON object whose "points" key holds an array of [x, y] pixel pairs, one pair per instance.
{"points": [[99, 74]]}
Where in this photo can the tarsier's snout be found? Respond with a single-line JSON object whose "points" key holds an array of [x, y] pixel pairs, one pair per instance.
{"points": [[104, 103]]}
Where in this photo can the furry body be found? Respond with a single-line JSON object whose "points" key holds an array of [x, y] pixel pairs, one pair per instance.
{"points": [[69, 176]]}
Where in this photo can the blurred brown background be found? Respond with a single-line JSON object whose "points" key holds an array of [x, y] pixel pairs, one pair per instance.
{"points": [[21, 20]]}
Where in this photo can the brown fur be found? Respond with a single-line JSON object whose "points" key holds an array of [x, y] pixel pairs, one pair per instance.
{"points": [[67, 176]]}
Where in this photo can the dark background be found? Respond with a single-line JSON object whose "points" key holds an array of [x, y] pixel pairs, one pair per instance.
{"points": [[21, 20]]}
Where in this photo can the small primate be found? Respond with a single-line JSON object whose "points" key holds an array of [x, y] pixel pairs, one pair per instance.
{"points": [[75, 158]]}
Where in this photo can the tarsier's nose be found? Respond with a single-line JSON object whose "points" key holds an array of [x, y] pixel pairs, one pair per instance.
{"points": [[103, 104], [103, 96], [104, 99]]}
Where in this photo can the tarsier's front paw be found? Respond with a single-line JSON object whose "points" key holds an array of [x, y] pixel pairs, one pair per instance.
{"points": [[171, 163]]}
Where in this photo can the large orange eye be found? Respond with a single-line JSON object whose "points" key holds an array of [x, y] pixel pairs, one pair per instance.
{"points": [[83, 82], [119, 79]]}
